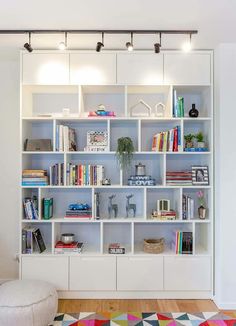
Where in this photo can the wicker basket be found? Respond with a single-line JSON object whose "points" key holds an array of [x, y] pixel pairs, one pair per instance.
{"points": [[154, 246]]}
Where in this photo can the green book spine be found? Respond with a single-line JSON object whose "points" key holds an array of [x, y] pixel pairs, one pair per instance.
{"points": [[47, 208]]}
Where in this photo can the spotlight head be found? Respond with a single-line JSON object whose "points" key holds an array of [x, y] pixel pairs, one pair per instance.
{"points": [[62, 46], [129, 46], [99, 46], [28, 47], [157, 47], [187, 47]]}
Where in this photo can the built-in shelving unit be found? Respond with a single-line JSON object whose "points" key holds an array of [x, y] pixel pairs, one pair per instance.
{"points": [[97, 234]]}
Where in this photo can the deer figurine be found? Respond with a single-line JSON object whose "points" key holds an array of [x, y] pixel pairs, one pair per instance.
{"points": [[112, 207], [130, 206]]}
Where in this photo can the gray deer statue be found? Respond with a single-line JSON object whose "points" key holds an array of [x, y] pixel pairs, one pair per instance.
{"points": [[112, 207], [129, 206]]}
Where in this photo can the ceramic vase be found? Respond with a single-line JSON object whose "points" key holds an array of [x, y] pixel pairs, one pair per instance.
{"points": [[202, 212]]}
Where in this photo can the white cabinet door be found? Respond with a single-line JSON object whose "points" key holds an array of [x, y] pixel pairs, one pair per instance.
{"points": [[187, 69], [45, 69], [187, 274], [140, 69], [93, 273], [139, 273], [93, 68], [51, 269]]}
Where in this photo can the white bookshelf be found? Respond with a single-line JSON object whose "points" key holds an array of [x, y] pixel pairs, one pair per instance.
{"points": [[97, 234]]}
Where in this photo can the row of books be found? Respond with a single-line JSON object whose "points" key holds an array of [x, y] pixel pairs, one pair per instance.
{"points": [[31, 208], [65, 139], [34, 178], [167, 141], [71, 248], [84, 175], [182, 242], [178, 105], [56, 174], [187, 208], [32, 240], [180, 178]]}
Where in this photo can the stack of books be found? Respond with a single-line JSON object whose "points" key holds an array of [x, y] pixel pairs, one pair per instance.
{"points": [[178, 105], [167, 141], [79, 213], [31, 208], [34, 178], [32, 240], [116, 248], [84, 175], [187, 207], [164, 215], [179, 178], [56, 174], [71, 248], [65, 139], [182, 242]]}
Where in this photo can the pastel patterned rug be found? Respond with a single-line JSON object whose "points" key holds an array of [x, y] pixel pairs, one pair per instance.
{"points": [[146, 319]]}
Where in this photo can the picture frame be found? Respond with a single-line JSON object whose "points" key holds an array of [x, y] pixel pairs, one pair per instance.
{"points": [[97, 138], [200, 175], [163, 205]]}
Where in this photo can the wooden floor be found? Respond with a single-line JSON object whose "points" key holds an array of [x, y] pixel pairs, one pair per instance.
{"points": [[73, 306]]}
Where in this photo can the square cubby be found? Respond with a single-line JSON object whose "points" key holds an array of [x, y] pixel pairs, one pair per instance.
{"points": [[36, 130], [123, 128], [203, 238], [117, 232], [194, 198], [201, 132], [86, 232], [168, 131], [115, 203], [171, 195], [30, 204]]}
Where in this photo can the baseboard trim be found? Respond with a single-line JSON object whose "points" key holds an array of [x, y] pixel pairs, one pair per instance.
{"points": [[134, 295], [224, 305], [3, 280]]}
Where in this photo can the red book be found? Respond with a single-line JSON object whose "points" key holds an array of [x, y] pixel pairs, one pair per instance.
{"points": [[78, 216], [175, 140], [61, 244]]}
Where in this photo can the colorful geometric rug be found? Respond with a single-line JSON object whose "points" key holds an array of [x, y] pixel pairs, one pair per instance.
{"points": [[146, 319]]}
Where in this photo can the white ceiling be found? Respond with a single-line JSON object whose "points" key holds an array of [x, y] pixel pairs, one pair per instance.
{"points": [[215, 20]]}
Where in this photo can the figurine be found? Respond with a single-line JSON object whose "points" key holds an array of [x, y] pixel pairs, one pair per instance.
{"points": [[112, 207], [160, 109], [106, 182], [75, 207], [130, 206], [101, 112]]}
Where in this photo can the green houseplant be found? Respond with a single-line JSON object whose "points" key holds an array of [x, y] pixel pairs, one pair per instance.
{"points": [[189, 140], [124, 151], [200, 140]]}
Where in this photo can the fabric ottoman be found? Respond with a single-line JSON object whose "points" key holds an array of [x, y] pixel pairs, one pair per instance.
{"points": [[27, 303]]}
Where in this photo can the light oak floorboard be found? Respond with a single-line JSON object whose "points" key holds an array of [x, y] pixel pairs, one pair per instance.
{"points": [[73, 306]]}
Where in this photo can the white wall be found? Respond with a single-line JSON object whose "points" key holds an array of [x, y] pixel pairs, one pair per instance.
{"points": [[225, 105], [9, 162]]}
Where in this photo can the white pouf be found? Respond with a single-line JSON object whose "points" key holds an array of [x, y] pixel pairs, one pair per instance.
{"points": [[27, 303]]}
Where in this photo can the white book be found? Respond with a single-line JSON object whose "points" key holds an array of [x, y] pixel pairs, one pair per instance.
{"points": [[66, 138], [61, 135]]}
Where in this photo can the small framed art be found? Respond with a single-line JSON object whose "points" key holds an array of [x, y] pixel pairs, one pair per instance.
{"points": [[200, 175]]}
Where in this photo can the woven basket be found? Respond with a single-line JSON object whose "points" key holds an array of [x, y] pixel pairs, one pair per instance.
{"points": [[154, 246]]}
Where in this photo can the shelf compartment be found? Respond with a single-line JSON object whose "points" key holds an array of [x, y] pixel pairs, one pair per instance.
{"points": [[195, 126], [199, 95], [30, 192], [120, 200], [46, 231], [113, 97], [88, 233], [37, 130], [156, 194], [151, 95], [208, 201], [156, 231], [111, 167], [154, 167], [63, 197], [203, 236], [37, 100], [149, 128], [117, 233], [123, 128], [82, 127]]}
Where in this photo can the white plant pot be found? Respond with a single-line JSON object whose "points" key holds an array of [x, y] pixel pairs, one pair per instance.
{"points": [[201, 144]]}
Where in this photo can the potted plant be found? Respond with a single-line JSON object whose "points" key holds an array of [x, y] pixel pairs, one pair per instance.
{"points": [[200, 140], [189, 140], [201, 208], [124, 152]]}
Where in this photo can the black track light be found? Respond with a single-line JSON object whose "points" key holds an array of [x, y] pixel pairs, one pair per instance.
{"points": [[130, 45], [28, 46], [100, 45], [157, 46]]}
